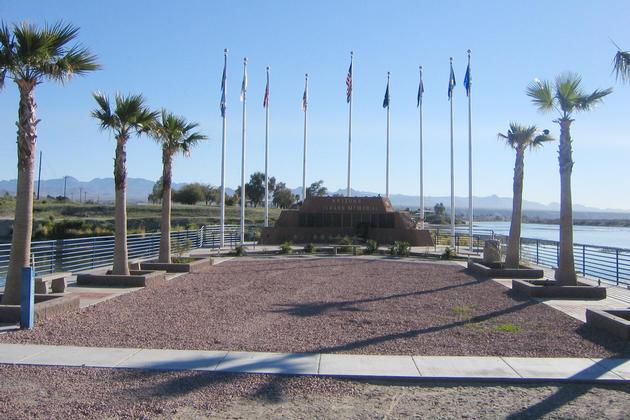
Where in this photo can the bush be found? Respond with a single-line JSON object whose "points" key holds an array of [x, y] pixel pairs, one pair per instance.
{"points": [[448, 254], [346, 240], [309, 248], [286, 248], [371, 246], [240, 251], [400, 249]]}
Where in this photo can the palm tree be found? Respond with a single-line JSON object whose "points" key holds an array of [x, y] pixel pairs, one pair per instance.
{"points": [[29, 56], [129, 117], [566, 97], [519, 138], [175, 134], [621, 65]]}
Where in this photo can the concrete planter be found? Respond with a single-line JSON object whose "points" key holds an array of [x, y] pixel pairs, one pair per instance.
{"points": [[496, 270], [615, 321], [551, 289], [199, 264], [137, 278], [46, 306]]}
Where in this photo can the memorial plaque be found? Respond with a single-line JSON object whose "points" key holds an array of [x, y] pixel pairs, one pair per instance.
{"points": [[328, 219]]}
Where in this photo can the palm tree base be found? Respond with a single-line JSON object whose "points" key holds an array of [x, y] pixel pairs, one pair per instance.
{"points": [[554, 290]]}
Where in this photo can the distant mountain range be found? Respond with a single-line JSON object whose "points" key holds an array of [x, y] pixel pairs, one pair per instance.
{"points": [[102, 190]]}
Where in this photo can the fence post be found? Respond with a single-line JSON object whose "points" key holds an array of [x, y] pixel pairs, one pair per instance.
{"points": [[27, 298], [557, 254], [584, 260], [617, 265], [537, 251]]}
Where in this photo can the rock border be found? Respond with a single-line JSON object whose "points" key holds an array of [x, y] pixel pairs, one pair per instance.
{"points": [[137, 278], [192, 267], [523, 272], [552, 289]]}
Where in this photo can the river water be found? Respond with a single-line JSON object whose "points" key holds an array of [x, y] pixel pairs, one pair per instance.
{"points": [[617, 237]]}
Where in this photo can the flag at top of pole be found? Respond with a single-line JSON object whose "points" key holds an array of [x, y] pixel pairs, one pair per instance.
{"points": [[304, 104], [420, 90], [451, 82], [386, 98], [266, 98], [222, 105], [468, 78], [349, 83], [244, 84]]}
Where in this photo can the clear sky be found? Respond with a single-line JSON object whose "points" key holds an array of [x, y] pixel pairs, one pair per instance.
{"points": [[172, 52]]}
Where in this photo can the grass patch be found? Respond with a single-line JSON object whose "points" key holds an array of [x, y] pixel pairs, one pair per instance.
{"points": [[510, 328], [464, 312]]}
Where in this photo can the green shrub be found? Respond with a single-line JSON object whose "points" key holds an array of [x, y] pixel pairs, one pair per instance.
{"points": [[309, 248], [179, 248], [346, 240], [511, 328], [286, 248], [400, 249], [240, 251], [448, 254], [371, 246]]}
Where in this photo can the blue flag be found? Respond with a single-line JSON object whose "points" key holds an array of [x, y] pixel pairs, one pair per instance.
{"points": [[386, 99], [451, 83], [467, 80], [420, 91]]}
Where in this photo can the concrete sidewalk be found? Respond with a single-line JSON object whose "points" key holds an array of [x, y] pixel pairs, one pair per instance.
{"points": [[467, 368]]}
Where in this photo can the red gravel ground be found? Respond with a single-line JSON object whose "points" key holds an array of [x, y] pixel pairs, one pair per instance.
{"points": [[345, 305]]}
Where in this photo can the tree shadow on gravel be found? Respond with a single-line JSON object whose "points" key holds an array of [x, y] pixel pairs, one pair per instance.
{"points": [[319, 308]]}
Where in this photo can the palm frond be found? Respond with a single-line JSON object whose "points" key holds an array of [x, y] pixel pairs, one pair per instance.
{"points": [[521, 136], [621, 65], [541, 139], [76, 61], [587, 102], [541, 94]]}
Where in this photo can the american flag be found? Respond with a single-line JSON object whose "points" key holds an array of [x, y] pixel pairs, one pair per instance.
{"points": [[223, 87], [305, 96], [266, 98], [349, 84], [420, 90], [244, 84]]}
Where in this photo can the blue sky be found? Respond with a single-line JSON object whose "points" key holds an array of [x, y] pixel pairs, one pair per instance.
{"points": [[172, 52]]}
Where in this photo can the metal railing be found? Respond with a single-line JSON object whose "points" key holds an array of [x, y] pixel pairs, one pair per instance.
{"points": [[86, 253], [608, 264]]}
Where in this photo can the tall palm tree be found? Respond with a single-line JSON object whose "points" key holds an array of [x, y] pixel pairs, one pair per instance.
{"points": [[29, 56], [621, 65], [130, 116], [175, 135], [566, 97], [520, 138]]}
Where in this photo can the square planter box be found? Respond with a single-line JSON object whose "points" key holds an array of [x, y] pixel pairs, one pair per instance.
{"points": [[615, 321], [137, 278], [552, 289], [496, 270], [195, 266], [46, 306]]}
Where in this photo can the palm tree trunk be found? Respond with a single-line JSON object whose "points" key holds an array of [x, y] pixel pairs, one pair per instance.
{"points": [[514, 242], [23, 219], [165, 224], [565, 274], [121, 265]]}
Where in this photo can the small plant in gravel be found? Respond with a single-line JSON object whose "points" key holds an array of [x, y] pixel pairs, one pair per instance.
{"points": [[371, 246], [464, 312], [180, 248], [448, 254], [240, 251], [286, 248], [400, 249], [509, 327], [309, 248]]}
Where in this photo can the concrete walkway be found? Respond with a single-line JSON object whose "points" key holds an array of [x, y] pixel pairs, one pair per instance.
{"points": [[336, 365]]}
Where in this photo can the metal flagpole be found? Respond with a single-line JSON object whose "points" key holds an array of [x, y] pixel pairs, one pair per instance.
{"points": [[243, 144], [421, 162], [267, 151], [350, 121], [223, 149], [305, 108], [452, 169], [470, 162], [387, 152]]}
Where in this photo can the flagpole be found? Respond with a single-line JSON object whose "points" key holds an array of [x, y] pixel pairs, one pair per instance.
{"points": [[387, 152], [267, 156], [470, 162], [421, 163], [350, 124], [244, 95], [305, 106], [223, 152], [452, 172]]}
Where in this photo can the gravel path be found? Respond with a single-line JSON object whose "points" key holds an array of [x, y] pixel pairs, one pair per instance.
{"points": [[329, 305], [30, 392]]}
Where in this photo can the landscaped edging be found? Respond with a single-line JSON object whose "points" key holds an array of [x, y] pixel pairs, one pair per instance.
{"points": [[46, 306], [136, 278], [524, 272], [192, 267], [552, 289], [615, 321]]}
